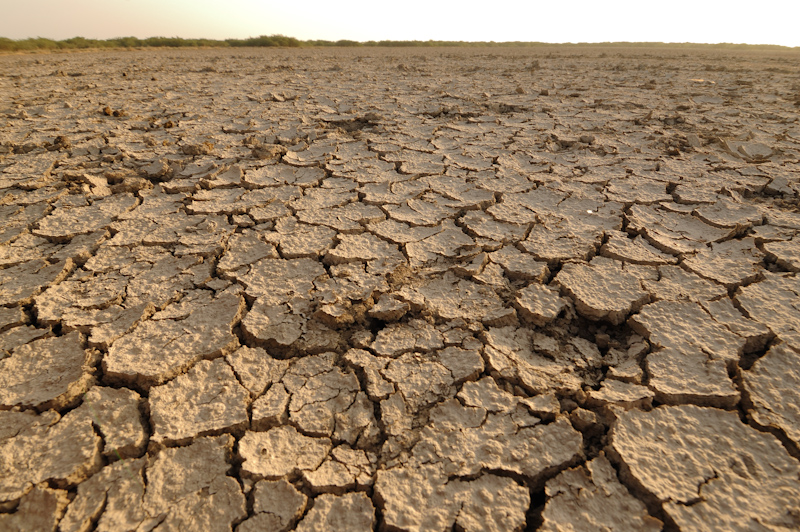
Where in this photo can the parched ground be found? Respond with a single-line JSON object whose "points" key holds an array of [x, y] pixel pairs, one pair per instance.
{"points": [[443, 289]]}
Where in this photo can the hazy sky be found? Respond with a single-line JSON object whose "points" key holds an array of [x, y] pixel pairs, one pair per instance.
{"points": [[755, 22]]}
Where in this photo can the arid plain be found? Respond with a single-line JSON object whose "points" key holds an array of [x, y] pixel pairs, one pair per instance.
{"points": [[436, 289]]}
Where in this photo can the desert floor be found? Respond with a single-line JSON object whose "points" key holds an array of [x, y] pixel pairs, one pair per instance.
{"points": [[400, 289]]}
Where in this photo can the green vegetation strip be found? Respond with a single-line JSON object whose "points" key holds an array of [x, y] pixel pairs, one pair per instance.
{"points": [[76, 43]]}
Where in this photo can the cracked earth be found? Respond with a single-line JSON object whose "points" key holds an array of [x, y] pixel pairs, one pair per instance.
{"points": [[402, 290]]}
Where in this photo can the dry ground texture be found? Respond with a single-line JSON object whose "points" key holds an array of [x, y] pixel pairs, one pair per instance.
{"points": [[401, 290]]}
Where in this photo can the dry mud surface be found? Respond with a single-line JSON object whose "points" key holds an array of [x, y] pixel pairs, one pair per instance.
{"points": [[400, 290]]}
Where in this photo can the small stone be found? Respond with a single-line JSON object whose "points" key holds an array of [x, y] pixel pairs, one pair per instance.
{"points": [[204, 148], [268, 151], [693, 140], [156, 169]]}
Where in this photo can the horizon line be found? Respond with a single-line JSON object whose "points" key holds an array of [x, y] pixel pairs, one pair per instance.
{"points": [[279, 40]]}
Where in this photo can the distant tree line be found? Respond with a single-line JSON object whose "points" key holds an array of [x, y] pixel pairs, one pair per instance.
{"points": [[41, 43]]}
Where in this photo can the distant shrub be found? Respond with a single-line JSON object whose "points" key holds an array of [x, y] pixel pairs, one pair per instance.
{"points": [[80, 42], [126, 42], [7, 44], [41, 43], [266, 40], [172, 42], [37, 43]]}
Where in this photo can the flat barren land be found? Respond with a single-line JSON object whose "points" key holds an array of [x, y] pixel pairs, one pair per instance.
{"points": [[400, 289]]}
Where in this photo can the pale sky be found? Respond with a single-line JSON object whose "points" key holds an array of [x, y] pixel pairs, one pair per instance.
{"points": [[706, 21]]}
